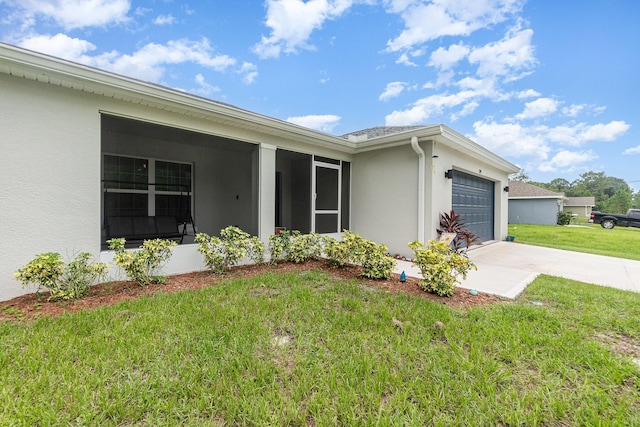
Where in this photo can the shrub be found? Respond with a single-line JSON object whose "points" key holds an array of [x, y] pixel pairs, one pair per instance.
{"points": [[143, 264], [564, 218], [220, 254], [354, 249], [452, 223], [279, 245], [304, 247], [440, 266], [64, 281], [295, 246]]}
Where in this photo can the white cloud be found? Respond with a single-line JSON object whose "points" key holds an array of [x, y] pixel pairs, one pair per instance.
{"points": [[292, 22], [576, 109], [468, 108], [529, 93], [61, 46], [165, 20], [536, 142], [506, 57], [404, 60], [539, 108], [324, 123], [72, 14], [250, 72], [576, 134], [141, 11], [392, 90], [605, 132], [632, 150], [512, 139], [427, 107], [444, 59], [204, 88], [146, 63], [425, 21], [567, 161]]}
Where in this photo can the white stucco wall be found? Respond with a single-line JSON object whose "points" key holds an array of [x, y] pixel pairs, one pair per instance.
{"points": [[50, 175], [385, 192], [384, 206]]}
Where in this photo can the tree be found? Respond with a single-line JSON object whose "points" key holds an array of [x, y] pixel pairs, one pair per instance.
{"points": [[521, 175], [620, 202], [602, 187], [636, 200], [559, 185]]}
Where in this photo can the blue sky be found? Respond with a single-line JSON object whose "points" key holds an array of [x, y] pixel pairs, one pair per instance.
{"points": [[551, 86]]}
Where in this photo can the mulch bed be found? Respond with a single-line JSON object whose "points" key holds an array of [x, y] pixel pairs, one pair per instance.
{"points": [[31, 305]]}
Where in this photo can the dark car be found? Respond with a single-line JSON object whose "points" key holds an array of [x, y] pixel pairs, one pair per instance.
{"points": [[607, 220]]}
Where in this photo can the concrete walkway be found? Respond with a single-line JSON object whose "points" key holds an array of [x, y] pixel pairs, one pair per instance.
{"points": [[506, 268]]}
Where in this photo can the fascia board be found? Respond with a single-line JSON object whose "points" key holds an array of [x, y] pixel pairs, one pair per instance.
{"points": [[19, 62]]}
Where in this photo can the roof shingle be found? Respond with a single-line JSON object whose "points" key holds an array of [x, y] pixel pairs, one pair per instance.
{"points": [[524, 189]]}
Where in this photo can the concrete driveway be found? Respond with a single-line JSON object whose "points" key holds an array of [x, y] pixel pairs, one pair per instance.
{"points": [[506, 268]]}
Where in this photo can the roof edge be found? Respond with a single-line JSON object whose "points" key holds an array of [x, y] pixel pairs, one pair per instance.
{"points": [[20, 62]]}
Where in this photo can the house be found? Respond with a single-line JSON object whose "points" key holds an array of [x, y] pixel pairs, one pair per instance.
{"points": [[84, 148], [530, 204], [581, 206]]}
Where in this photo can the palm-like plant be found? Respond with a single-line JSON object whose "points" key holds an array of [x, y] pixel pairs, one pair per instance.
{"points": [[452, 223]]}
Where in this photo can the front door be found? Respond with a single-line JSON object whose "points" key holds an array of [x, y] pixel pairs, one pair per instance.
{"points": [[326, 200]]}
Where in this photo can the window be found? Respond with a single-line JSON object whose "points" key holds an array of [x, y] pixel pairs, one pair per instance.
{"points": [[146, 187]]}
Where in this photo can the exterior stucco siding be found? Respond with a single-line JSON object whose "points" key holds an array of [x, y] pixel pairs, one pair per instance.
{"points": [[533, 211], [384, 204], [50, 191]]}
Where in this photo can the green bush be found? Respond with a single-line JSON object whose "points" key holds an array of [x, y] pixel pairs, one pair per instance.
{"points": [[564, 218], [440, 266], [279, 246], [304, 247], [143, 264], [64, 281], [295, 246], [354, 249], [220, 254]]}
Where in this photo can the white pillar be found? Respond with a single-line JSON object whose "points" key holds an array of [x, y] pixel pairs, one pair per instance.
{"points": [[267, 186]]}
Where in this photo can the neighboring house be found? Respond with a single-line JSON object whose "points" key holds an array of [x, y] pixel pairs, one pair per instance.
{"points": [[529, 204], [581, 206], [83, 148]]}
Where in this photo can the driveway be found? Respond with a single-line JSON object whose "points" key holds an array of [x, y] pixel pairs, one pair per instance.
{"points": [[506, 268]]}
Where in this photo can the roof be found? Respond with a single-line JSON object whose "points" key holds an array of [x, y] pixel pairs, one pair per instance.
{"points": [[580, 201], [524, 190], [364, 134], [30, 65]]}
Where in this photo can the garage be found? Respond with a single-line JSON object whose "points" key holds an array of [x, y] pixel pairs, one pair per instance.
{"points": [[473, 199]]}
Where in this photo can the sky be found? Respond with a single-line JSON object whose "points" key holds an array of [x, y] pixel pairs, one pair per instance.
{"points": [[551, 86]]}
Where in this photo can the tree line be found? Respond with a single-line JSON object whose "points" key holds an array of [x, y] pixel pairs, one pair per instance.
{"points": [[611, 194]]}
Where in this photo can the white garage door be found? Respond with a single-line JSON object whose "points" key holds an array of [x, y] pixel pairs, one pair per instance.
{"points": [[473, 199]]}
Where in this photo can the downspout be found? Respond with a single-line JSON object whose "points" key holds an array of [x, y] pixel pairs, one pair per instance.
{"points": [[421, 177]]}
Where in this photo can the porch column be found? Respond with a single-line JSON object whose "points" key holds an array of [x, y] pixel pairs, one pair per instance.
{"points": [[267, 186]]}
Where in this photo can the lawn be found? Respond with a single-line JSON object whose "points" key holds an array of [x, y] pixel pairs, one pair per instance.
{"points": [[620, 242], [308, 349]]}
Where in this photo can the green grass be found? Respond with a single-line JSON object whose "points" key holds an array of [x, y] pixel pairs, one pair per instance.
{"points": [[303, 349], [620, 242]]}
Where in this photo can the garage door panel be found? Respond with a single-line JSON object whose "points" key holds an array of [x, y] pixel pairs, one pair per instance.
{"points": [[473, 199]]}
